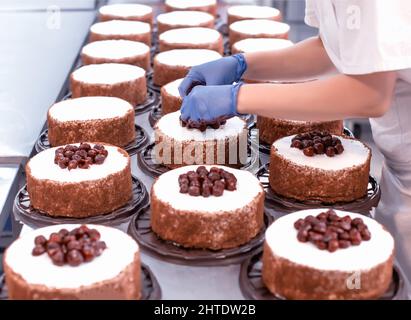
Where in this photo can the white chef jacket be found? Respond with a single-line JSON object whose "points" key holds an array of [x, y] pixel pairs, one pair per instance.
{"points": [[366, 36]]}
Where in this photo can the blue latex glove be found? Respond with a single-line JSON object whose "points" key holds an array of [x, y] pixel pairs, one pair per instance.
{"points": [[210, 103], [219, 72]]}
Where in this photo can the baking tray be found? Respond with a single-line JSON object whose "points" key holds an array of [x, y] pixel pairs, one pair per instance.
{"points": [[150, 287], [148, 164], [140, 230], [150, 84], [24, 212], [278, 204], [152, 99], [253, 288]]}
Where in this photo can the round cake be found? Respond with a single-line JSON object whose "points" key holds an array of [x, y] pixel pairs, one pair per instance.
{"points": [[209, 6], [307, 263], [247, 12], [207, 207], [271, 129], [258, 28], [121, 29], [79, 180], [260, 44], [175, 64], [170, 97], [177, 145], [319, 166], [73, 262], [110, 79], [184, 19], [126, 11], [104, 119], [191, 38], [117, 51]]}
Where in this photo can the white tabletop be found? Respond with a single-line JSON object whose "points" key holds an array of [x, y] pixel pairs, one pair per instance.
{"points": [[37, 50]]}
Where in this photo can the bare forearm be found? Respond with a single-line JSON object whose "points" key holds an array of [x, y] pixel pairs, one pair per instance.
{"points": [[305, 60], [338, 97]]}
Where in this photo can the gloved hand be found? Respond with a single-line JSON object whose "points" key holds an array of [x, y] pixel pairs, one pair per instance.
{"points": [[210, 103], [223, 71]]}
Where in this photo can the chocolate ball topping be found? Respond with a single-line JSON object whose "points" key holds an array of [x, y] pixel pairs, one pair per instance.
{"points": [[328, 231], [206, 183], [70, 247], [203, 125], [72, 157], [316, 142]]}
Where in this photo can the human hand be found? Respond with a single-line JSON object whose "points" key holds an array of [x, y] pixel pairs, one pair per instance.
{"points": [[210, 103], [224, 71]]}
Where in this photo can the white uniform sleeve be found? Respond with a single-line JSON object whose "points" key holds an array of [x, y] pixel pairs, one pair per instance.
{"points": [[310, 14], [373, 36]]}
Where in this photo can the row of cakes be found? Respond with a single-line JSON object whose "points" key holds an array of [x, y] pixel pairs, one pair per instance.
{"points": [[311, 254], [104, 91], [236, 193], [139, 12], [213, 207], [80, 179], [83, 179], [101, 109], [110, 79], [117, 67], [85, 129], [350, 175]]}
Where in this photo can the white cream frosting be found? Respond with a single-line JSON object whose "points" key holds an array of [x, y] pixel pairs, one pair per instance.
{"points": [[169, 125], [253, 12], [187, 57], [184, 4], [355, 154], [262, 44], [89, 108], [39, 270], [108, 73], [167, 189], [42, 167], [190, 36], [115, 49], [120, 27], [260, 26], [126, 10], [172, 88], [281, 237], [188, 18]]}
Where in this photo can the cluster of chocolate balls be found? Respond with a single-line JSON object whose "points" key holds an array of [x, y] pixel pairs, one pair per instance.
{"points": [[203, 125], [205, 183], [82, 156], [315, 142], [70, 247], [328, 231]]}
